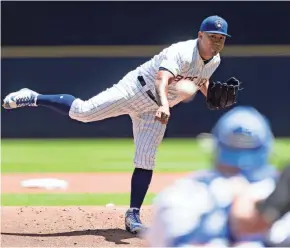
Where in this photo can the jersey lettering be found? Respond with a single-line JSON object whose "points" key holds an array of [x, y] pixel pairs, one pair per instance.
{"points": [[179, 77], [200, 82]]}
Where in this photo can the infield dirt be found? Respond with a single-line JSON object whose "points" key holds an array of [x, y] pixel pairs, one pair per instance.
{"points": [[74, 226]]}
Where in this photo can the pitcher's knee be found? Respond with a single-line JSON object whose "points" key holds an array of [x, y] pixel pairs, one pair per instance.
{"points": [[81, 111], [144, 162], [145, 157], [144, 166]]}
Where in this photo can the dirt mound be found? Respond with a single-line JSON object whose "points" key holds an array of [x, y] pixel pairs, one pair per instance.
{"points": [[68, 227]]}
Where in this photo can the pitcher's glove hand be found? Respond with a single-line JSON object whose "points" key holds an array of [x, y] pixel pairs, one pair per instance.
{"points": [[222, 95]]}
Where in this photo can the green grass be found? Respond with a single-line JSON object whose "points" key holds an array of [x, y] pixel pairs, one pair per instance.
{"points": [[109, 155], [46, 199]]}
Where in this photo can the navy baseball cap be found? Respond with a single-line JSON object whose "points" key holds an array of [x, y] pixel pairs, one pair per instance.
{"points": [[215, 24]]}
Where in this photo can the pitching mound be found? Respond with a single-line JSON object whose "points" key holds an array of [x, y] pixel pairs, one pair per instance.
{"points": [[67, 227]]}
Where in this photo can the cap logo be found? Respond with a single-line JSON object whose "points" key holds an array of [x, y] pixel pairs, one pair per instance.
{"points": [[243, 138], [218, 24]]}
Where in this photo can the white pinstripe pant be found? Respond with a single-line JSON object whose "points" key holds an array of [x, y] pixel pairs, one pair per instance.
{"points": [[126, 97]]}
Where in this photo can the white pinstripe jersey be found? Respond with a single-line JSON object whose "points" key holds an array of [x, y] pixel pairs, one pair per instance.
{"points": [[182, 59], [128, 96]]}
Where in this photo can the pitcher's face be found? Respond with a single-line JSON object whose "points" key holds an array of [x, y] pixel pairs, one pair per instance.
{"points": [[211, 44]]}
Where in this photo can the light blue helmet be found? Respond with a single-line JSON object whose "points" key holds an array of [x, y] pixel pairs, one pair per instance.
{"points": [[244, 140]]}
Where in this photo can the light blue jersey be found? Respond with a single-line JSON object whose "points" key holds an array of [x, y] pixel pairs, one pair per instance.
{"points": [[195, 210]]}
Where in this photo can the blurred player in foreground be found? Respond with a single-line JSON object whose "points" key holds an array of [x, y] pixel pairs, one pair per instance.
{"points": [[195, 210], [252, 215]]}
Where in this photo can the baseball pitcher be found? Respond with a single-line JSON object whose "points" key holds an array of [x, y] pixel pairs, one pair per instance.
{"points": [[146, 94], [195, 211]]}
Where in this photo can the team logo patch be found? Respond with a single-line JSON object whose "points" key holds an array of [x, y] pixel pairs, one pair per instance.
{"points": [[218, 24]]}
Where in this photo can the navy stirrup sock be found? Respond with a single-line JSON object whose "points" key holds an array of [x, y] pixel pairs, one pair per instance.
{"points": [[140, 182], [61, 103]]}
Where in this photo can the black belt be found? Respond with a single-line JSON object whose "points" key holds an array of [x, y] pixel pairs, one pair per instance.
{"points": [[148, 92]]}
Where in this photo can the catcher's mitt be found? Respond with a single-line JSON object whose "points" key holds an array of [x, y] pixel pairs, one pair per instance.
{"points": [[222, 95]]}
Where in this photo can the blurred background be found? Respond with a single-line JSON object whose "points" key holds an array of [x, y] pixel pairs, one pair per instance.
{"points": [[82, 48]]}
